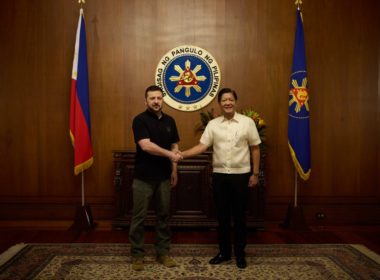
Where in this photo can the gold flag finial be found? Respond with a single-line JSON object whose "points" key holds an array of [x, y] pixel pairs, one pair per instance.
{"points": [[298, 3], [81, 3]]}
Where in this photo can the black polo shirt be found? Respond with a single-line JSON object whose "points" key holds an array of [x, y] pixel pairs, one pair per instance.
{"points": [[161, 131]]}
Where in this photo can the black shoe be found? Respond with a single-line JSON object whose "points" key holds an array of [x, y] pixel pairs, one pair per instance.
{"points": [[241, 262], [219, 258]]}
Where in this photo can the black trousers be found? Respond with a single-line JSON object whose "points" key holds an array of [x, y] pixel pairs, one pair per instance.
{"points": [[230, 195]]}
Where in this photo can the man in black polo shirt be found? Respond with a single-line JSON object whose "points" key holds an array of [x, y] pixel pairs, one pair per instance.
{"points": [[156, 139]]}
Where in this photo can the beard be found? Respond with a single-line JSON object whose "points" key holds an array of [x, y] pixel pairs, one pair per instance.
{"points": [[155, 108]]}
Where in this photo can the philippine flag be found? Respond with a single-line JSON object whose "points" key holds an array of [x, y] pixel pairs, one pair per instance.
{"points": [[80, 125]]}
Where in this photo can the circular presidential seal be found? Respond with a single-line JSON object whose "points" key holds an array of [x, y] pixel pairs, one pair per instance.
{"points": [[189, 77]]}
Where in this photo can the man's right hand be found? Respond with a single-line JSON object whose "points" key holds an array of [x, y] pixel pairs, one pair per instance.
{"points": [[175, 156]]}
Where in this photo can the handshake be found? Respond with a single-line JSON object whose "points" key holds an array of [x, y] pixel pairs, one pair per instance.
{"points": [[176, 156]]}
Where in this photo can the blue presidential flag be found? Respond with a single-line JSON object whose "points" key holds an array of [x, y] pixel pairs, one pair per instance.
{"points": [[299, 114]]}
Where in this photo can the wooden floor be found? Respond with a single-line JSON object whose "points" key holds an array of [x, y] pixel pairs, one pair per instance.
{"points": [[57, 232]]}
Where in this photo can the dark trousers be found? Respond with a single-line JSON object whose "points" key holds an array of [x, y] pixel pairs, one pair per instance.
{"points": [[230, 195]]}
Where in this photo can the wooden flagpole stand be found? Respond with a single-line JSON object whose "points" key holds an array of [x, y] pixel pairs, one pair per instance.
{"points": [[83, 217], [294, 218]]}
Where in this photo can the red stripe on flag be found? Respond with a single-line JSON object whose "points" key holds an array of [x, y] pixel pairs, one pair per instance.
{"points": [[80, 133]]}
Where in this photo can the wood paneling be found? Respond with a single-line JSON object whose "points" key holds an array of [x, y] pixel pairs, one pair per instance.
{"points": [[253, 43]]}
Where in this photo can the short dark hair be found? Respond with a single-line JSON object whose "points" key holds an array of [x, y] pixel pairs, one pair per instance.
{"points": [[226, 90], [152, 88]]}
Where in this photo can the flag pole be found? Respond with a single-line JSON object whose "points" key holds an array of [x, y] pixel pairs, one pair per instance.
{"points": [[294, 218], [295, 188], [83, 217], [82, 188], [86, 208]]}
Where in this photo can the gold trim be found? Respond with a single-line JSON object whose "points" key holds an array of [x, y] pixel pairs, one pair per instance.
{"points": [[83, 166], [297, 165]]}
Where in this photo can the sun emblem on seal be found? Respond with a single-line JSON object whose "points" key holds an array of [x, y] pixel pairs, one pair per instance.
{"points": [[187, 78], [299, 95]]}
